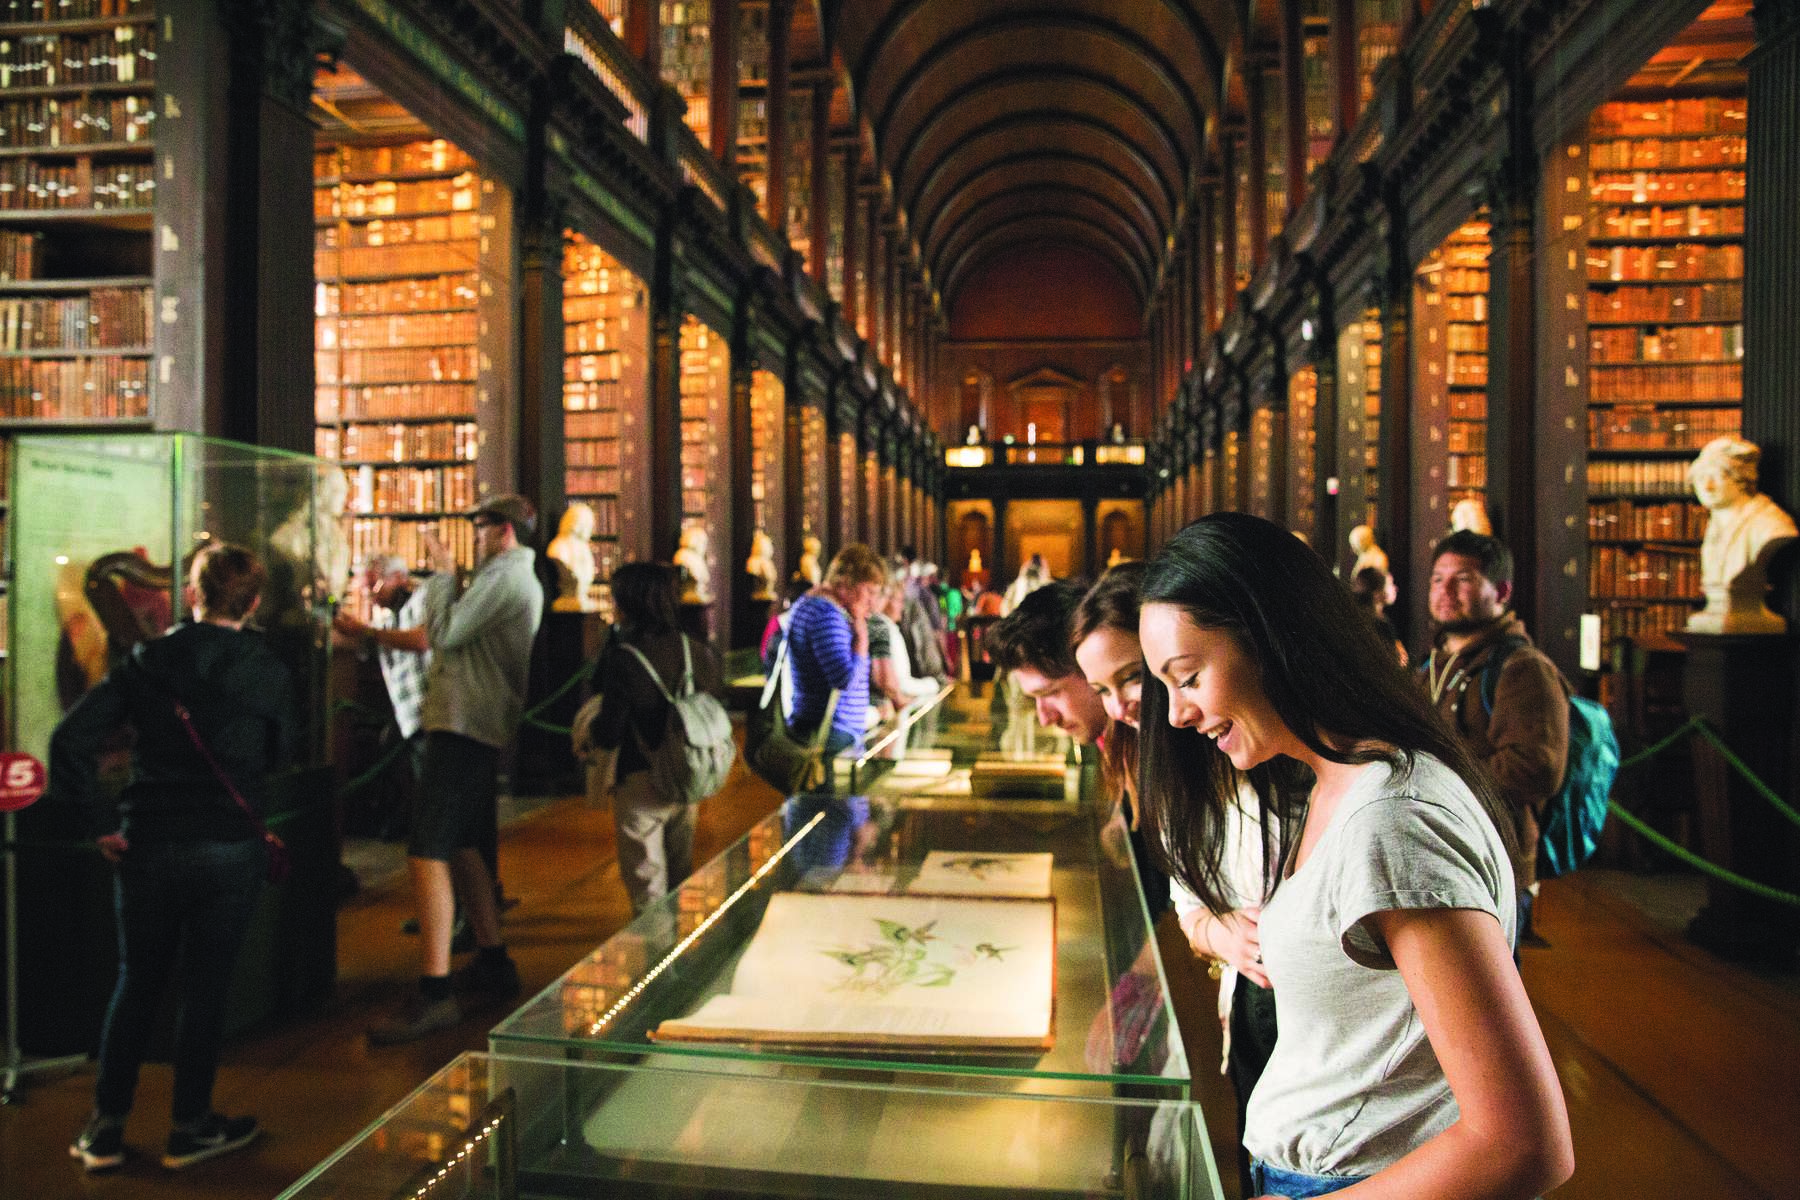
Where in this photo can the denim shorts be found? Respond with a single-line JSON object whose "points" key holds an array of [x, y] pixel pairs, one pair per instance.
{"points": [[1273, 1181]]}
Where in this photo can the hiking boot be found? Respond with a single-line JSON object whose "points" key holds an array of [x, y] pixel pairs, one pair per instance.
{"points": [[101, 1146], [493, 979], [416, 1018], [213, 1136]]}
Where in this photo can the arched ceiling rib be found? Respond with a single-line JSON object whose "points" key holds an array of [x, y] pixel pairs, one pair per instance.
{"points": [[1009, 121]]}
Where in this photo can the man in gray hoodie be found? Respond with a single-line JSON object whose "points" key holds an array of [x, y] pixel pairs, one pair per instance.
{"points": [[480, 632]]}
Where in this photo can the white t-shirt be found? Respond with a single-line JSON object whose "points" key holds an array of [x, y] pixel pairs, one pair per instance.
{"points": [[1353, 1084]]}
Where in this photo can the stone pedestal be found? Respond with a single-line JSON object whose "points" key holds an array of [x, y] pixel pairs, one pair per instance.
{"points": [[1743, 686]]}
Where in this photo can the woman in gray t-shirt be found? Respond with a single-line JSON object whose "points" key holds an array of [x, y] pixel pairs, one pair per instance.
{"points": [[1408, 1053]]}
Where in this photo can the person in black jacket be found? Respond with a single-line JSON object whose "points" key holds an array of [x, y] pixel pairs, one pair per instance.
{"points": [[655, 836], [189, 861]]}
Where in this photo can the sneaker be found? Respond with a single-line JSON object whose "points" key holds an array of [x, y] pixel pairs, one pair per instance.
{"points": [[101, 1146], [215, 1135], [416, 1018], [492, 981]]}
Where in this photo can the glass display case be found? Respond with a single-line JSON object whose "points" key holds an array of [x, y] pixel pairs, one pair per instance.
{"points": [[499, 1126], [101, 530], [828, 973]]}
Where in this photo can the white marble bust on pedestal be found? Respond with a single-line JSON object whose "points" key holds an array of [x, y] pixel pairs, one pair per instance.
{"points": [[1744, 531], [691, 558], [761, 566], [573, 551], [810, 548], [1368, 553]]}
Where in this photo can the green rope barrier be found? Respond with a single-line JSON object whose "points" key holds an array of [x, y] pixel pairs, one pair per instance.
{"points": [[1643, 756], [531, 714], [373, 773], [1762, 789], [1694, 860]]}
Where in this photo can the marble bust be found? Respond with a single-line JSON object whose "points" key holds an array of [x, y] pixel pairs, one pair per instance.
{"points": [[760, 566], [1368, 554], [1471, 514], [809, 570], [691, 558], [1743, 532], [573, 552]]}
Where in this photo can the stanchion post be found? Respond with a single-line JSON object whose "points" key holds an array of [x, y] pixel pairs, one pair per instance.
{"points": [[1743, 686]]}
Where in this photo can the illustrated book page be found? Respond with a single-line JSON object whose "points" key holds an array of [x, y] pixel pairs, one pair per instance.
{"points": [[887, 971], [983, 873]]}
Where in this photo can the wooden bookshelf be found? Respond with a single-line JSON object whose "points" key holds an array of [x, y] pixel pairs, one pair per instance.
{"points": [[1665, 343], [77, 193], [813, 468], [848, 490], [768, 423], [705, 435], [686, 30], [798, 218], [753, 99], [398, 239], [605, 352], [1267, 454], [1378, 26], [1303, 454], [1275, 174]]}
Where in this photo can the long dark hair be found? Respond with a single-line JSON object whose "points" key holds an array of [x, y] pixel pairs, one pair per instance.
{"points": [[1323, 668], [1112, 603], [644, 595]]}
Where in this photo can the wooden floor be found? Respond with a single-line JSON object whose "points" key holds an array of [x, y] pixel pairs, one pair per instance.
{"points": [[1680, 1070]]}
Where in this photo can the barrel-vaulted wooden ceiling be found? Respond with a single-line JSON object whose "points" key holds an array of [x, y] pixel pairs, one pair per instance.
{"points": [[1001, 122]]}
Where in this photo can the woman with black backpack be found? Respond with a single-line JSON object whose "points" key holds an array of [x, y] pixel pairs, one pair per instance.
{"points": [[655, 831]]}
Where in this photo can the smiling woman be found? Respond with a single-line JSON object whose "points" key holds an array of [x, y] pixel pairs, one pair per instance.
{"points": [[1408, 1049]]}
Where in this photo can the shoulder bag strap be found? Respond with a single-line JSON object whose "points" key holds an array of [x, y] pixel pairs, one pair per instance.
{"points": [[187, 723], [687, 667], [774, 679], [657, 679]]}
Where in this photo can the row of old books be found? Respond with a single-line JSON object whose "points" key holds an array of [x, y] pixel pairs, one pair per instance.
{"points": [[84, 389], [126, 54], [376, 331], [1673, 116], [435, 156], [1617, 573], [1669, 221], [39, 11], [406, 365], [1684, 302], [1646, 427], [397, 198], [600, 423], [1667, 187], [29, 183], [434, 441], [45, 121], [413, 489], [371, 535], [1625, 521], [440, 259], [593, 452], [1637, 478], [1722, 151], [104, 318], [419, 294], [1679, 343], [398, 231], [19, 252], [1669, 382], [1643, 622], [380, 402]]}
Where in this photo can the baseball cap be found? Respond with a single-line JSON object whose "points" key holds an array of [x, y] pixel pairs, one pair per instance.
{"points": [[516, 511]]}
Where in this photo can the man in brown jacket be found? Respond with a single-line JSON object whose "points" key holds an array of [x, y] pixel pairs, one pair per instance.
{"points": [[1499, 692]]}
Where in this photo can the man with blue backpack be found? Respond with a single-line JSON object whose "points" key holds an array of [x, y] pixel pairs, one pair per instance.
{"points": [[1500, 693]]}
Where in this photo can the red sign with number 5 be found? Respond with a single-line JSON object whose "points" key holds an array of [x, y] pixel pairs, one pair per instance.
{"points": [[21, 781]]}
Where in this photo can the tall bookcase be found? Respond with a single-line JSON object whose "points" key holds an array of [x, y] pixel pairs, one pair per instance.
{"points": [[798, 221], [849, 488], [1359, 436], [1303, 455], [687, 50], [1450, 375], [768, 422], [1378, 24], [1665, 266], [753, 98], [1267, 455], [397, 259], [605, 353], [77, 194], [705, 433], [813, 467]]}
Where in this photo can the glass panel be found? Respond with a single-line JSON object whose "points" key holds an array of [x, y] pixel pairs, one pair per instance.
{"points": [[955, 774], [495, 1125]]}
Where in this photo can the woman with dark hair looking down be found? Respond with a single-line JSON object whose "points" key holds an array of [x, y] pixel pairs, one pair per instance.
{"points": [[1410, 1063]]}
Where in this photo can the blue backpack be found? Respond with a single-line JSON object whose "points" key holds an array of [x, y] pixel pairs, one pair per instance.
{"points": [[1575, 814]]}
